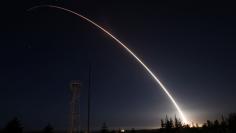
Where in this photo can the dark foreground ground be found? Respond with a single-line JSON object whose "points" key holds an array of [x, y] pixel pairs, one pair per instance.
{"points": [[168, 125]]}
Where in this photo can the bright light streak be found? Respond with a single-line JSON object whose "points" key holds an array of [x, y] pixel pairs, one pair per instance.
{"points": [[127, 49]]}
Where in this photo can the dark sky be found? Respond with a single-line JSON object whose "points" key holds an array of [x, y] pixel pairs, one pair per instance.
{"points": [[189, 45]]}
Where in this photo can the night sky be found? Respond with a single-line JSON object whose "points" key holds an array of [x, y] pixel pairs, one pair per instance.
{"points": [[189, 45]]}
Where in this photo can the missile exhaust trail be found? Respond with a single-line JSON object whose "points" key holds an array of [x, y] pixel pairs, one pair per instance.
{"points": [[126, 48]]}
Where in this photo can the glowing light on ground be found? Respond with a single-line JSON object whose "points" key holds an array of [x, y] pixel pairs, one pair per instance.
{"points": [[127, 49]]}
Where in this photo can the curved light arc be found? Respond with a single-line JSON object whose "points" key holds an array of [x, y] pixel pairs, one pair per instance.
{"points": [[127, 49]]}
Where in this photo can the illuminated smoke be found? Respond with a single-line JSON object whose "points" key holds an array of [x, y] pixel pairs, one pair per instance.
{"points": [[127, 49]]}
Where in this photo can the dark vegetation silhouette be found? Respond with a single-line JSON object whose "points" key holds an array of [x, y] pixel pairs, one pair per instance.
{"points": [[13, 126], [48, 129], [225, 125], [104, 128], [168, 125]]}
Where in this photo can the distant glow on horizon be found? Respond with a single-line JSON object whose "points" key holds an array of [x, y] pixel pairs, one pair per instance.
{"points": [[127, 49]]}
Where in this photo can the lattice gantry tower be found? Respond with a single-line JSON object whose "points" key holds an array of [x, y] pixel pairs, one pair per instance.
{"points": [[74, 106]]}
